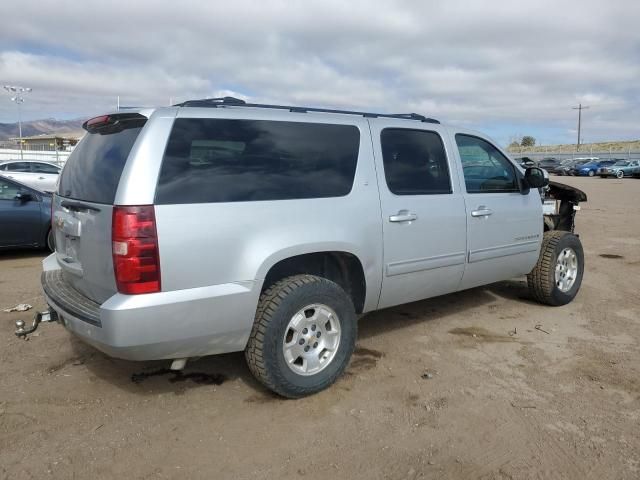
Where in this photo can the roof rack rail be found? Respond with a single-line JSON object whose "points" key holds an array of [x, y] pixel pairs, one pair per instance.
{"points": [[237, 102]]}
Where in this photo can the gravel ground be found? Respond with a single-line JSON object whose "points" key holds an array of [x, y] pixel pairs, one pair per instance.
{"points": [[461, 386]]}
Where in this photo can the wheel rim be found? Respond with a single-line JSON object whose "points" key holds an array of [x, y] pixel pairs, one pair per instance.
{"points": [[311, 339], [591, 173], [620, 174], [566, 269]]}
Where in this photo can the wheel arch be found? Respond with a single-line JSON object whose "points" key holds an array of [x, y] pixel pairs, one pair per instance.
{"points": [[340, 265]]}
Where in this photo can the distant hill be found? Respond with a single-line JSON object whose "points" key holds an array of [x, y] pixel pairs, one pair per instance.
{"points": [[71, 128], [623, 146]]}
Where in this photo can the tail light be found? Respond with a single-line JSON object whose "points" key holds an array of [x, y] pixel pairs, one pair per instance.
{"points": [[136, 259]]}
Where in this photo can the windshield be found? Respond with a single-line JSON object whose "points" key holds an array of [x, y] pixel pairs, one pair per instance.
{"points": [[93, 170]]}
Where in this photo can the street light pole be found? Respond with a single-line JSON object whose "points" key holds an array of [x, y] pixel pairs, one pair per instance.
{"points": [[18, 99]]}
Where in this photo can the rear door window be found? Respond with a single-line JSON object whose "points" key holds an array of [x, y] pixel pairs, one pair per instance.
{"points": [[218, 160], [415, 162], [93, 170]]}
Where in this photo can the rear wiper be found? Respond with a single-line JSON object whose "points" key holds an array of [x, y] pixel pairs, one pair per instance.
{"points": [[78, 206]]}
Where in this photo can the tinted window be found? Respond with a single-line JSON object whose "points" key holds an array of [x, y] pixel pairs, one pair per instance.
{"points": [[44, 168], [19, 167], [93, 169], [213, 160], [8, 191], [415, 162], [485, 168]]}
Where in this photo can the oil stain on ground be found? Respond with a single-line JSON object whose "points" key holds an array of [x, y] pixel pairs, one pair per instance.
{"points": [[200, 378], [480, 334], [610, 255], [363, 359]]}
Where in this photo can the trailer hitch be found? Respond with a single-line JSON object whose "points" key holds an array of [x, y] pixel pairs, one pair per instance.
{"points": [[46, 316]]}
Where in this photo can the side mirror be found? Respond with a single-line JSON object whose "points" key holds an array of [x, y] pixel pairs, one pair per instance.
{"points": [[24, 197], [536, 177]]}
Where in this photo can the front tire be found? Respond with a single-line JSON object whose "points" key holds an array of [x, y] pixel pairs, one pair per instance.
{"points": [[591, 173], [619, 174], [556, 278], [303, 336]]}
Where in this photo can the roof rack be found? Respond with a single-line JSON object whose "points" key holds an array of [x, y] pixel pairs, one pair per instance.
{"points": [[237, 102]]}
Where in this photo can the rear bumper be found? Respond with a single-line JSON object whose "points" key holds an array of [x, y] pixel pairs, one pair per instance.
{"points": [[164, 325]]}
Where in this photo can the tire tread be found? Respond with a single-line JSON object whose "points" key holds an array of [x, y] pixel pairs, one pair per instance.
{"points": [[269, 303], [541, 279]]}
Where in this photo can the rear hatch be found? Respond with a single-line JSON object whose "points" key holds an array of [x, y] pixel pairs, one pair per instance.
{"points": [[83, 206]]}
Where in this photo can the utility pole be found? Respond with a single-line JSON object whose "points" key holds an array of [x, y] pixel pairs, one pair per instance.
{"points": [[18, 99], [579, 108]]}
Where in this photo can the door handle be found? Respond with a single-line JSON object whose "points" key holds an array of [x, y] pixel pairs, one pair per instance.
{"points": [[403, 216], [482, 211]]}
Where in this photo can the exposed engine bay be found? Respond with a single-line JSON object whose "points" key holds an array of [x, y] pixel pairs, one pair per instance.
{"points": [[560, 204]]}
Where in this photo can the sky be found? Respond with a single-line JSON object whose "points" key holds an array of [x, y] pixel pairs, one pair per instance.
{"points": [[506, 68]]}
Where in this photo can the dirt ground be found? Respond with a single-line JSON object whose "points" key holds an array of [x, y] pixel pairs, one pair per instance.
{"points": [[504, 399]]}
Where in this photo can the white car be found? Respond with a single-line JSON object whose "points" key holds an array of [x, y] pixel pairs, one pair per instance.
{"points": [[42, 176]]}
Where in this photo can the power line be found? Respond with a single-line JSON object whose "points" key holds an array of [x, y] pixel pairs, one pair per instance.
{"points": [[580, 107]]}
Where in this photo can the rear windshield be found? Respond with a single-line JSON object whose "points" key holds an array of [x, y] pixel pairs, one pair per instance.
{"points": [[93, 170], [217, 160]]}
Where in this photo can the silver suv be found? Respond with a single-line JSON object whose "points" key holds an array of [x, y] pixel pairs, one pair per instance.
{"points": [[218, 226]]}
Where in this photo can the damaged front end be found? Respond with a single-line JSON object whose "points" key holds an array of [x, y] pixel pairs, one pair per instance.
{"points": [[560, 204]]}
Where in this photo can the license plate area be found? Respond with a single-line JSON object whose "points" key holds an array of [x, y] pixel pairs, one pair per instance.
{"points": [[68, 234]]}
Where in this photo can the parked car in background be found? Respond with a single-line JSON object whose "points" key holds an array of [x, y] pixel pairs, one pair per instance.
{"points": [[525, 162], [25, 216], [42, 176], [549, 164], [589, 169], [636, 172], [567, 166], [559, 168], [621, 168]]}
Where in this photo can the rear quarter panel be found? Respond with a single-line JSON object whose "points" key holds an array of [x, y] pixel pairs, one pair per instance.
{"points": [[216, 243]]}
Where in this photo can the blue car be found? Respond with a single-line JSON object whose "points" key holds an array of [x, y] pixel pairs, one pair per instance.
{"points": [[25, 216], [591, 168]]}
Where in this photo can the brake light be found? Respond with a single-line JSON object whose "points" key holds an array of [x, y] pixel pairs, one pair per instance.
{"points": [[101, 120], [136, 259]]}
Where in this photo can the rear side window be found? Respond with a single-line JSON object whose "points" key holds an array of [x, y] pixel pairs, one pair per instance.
{"points": [[415, 162], [44, 168], [216, 160], [93, 170]]}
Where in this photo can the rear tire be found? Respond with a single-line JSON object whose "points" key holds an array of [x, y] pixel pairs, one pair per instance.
{"points": [[556, 278], [619, 174], [303, 336], [591, 173]]}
